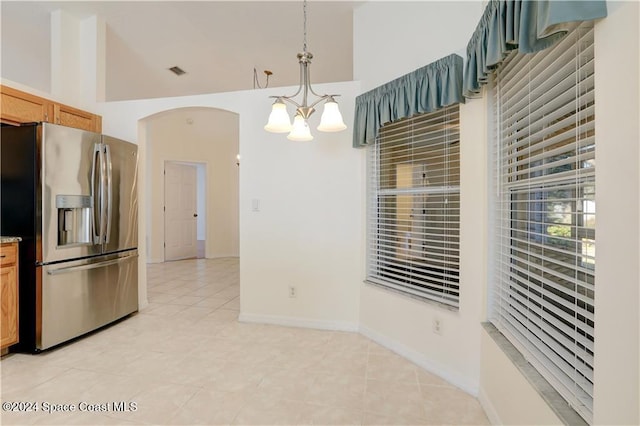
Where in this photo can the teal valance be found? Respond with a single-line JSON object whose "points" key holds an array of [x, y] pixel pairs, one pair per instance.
{"points": [[529, 26], [426, 89]]}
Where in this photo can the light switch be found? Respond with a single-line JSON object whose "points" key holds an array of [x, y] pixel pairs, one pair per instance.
{"points": [[255, 205]]}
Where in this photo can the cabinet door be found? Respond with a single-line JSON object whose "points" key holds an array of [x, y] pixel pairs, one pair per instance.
{"points": [[20, 107], [8, 294], [9, 309], [73, 117]]}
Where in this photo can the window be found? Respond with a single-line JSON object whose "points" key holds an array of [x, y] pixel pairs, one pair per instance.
{"points": [[543, 299], [414, 210]]}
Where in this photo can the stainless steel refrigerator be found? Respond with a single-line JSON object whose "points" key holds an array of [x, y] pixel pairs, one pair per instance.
{"points": [[72, 197]]}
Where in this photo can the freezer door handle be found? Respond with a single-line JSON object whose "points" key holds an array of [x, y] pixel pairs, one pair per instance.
{"points": [[89, 266], [109, 192], [103, 190]]}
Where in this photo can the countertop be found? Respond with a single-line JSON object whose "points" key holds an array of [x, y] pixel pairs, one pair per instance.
{"points": [[9, 239]]}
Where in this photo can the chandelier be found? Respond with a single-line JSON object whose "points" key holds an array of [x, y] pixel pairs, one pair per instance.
{"points": [[279, 121]]}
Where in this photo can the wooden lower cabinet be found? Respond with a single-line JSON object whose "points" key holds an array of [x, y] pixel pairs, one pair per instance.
{"points": [[18, 107], [8, 294]]}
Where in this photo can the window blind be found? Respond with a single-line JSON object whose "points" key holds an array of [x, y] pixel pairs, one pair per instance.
{"points": [[543, 299], [414, 206]]}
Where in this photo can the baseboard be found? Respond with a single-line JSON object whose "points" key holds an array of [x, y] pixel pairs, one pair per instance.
{"points": [[298, 322], [418, 358], [489, 409], [221, 256]]}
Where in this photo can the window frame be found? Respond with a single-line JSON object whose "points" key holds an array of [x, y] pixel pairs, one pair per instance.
{"points": [[438, 236], [546, 357]]}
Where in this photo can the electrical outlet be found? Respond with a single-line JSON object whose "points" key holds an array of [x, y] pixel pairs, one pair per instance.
{"points": [[436, 326], [292, 292]]}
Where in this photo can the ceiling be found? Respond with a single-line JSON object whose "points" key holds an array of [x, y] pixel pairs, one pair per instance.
{"points": [[217, 43]]}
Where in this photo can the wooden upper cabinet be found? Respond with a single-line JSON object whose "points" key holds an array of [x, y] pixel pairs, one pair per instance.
{"points": [[21, 107], [73, 117]]}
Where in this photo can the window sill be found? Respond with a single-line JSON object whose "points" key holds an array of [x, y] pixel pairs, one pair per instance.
{"points": [[412, 296], [553, 399]]}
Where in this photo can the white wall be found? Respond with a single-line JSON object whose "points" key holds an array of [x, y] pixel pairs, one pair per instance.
{"points": [[617, 329], [65, 56], [24, 57], [392, 39], [308, 232], [203, 135], [69, 69]]}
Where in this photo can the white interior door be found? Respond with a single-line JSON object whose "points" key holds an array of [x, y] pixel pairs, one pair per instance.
{"points": [[180, 216]]}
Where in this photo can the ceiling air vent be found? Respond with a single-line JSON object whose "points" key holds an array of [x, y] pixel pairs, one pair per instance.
{"points": [[177, 70]]}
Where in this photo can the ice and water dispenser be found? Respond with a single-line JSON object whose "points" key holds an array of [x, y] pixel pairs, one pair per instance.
{"points": [[74, 219]]}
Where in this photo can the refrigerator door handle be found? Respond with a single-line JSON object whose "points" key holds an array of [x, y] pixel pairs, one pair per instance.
{"points": [[109, 193], [89, 266], [103, 190], [95, 191]]}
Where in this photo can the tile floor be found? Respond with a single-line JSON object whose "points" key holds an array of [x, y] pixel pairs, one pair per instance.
{"points": [[185, 359]]}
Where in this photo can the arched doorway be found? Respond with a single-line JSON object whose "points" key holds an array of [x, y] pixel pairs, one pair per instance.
{"points": [[201, 136]]}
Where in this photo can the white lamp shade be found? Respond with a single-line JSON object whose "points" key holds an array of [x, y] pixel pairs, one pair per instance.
{"points": [[331, 120], [300, 131], [279, 121]]}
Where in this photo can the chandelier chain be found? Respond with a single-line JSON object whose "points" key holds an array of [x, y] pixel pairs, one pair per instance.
{"points": [[304, 12]]}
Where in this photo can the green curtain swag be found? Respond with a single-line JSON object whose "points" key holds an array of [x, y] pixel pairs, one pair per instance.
{"points": [[529, 26], [426, 89]]}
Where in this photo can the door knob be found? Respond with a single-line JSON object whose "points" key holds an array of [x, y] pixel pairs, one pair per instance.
{"points": [[195, 215]]}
